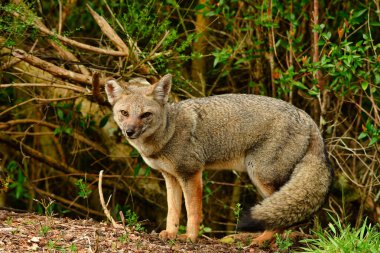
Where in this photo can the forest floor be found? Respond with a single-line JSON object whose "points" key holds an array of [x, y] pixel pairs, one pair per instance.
{"points": [[28, 232]]}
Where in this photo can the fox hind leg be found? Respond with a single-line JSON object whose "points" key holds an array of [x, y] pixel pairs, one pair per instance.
{"points": [[265, 189]]}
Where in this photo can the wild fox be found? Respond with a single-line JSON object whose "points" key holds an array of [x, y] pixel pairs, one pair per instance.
{"points": [[277, 144]]}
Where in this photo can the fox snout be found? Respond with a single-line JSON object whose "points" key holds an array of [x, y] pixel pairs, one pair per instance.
{"points": [[132, 131]]}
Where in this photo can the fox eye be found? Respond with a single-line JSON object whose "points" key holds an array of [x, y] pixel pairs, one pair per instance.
{"points": [[124, 113], [145, 115]]}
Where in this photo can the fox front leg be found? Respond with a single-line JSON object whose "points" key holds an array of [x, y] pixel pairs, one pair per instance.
{"points": [[174, 198], [192, 191]]}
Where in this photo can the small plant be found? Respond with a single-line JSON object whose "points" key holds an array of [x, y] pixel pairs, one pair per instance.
{"points": [[284, 242], [237, 213], [51, 245], [203, 229], [47, 206], [9, 221], [171, 242], [73, 248], [124, 238], [132, 220], [181, 229], [44, 230], [83, 190], [341, 239]]}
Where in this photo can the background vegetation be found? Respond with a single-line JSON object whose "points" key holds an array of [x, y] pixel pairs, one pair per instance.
{"points": [[56, 133]]}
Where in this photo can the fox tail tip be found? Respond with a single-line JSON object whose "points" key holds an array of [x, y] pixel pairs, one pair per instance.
{"points": [[248, 223]]}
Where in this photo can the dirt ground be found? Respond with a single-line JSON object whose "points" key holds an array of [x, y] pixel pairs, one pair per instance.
{"points": [[27, 232]]}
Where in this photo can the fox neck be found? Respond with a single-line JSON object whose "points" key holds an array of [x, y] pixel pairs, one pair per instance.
{"points": [[152, 144]]}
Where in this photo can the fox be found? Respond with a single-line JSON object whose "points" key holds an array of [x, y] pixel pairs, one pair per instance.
{"points": [[277, 144]]}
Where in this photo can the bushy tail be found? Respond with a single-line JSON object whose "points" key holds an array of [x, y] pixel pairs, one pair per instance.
{"points": [[300, 197]]}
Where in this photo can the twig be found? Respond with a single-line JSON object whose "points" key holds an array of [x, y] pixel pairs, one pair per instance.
{"points": [[102, 202], [68, 202], [51, 68], [75, 135], [109, 32], [73, 43], [146, 59], [48, 85], [45, 100], [37, 155]]}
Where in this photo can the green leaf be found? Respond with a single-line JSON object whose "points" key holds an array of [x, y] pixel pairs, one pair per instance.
{"points": [[377, 78], [364, 85], [373, 141], [104, 121], [332, 228], [374, 23], [357, 14], [60, 114], [57, 131], [207, 229], [362, 135], [136, 170], [200, 7], [68, 130], [12, 165], [313, 92], [147, 171], [299, 85]]}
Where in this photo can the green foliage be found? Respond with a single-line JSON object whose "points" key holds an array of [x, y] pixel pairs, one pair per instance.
{"points": [[83, 190], [17, 180], [44, 229], [131, 219], [237, 213], [124, 238], [73, 248], [342, 238], [203, 229], [182, 229], [371, 132], [284, 243], [15, 29]]}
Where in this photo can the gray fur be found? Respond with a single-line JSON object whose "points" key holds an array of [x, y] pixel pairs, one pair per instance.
{"points": [[277, 144]]}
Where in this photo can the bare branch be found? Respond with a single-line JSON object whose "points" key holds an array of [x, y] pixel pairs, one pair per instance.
{"points": [[71, 42], [109, 32], [102, 202], [37, 155], [51, 68], [75, 134], [48, 85]]}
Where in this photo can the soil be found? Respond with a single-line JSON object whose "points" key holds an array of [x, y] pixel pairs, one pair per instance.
{"points": [[28, 232]]}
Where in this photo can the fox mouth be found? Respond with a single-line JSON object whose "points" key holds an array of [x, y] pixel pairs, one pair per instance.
{"points": [[132, 135]]}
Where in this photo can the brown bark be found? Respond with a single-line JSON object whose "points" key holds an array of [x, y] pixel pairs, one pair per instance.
{"points": [[198, 67]]}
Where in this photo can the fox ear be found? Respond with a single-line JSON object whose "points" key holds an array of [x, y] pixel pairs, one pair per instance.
{"points": [[114, 91], [161, 89]]}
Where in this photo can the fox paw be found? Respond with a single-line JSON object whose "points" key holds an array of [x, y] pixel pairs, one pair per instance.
{"points": [[267, 237], [187, 237], [167, 235]]}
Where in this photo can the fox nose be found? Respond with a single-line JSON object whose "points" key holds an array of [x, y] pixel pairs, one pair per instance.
{"points": [[130, 132]]}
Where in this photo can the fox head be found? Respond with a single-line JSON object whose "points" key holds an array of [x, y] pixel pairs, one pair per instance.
{"points": [[139, 109]]}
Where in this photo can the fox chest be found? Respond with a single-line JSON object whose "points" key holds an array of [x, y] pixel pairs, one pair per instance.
{"points": [[161, 164]]}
